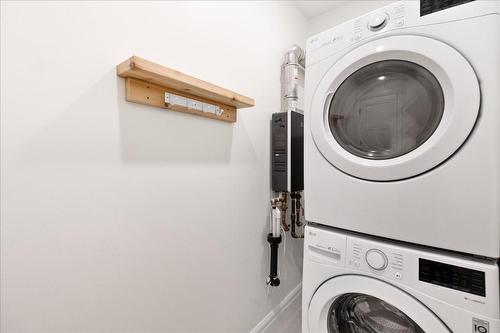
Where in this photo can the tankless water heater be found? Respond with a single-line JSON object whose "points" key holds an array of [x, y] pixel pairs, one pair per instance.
{"points": [[287, 151]]}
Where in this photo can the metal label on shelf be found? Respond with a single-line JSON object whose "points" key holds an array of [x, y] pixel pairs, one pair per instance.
{"points": [[176, 100]]}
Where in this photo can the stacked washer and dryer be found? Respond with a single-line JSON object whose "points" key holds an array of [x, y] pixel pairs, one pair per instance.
{"points": [[402, 171]]}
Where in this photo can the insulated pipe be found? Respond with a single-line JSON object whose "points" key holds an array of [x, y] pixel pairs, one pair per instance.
{"points": [[281, 203], [275, 225], [291, 70]]}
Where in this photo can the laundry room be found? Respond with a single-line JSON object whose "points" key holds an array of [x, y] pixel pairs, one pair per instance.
{"points": [[250, 166]]}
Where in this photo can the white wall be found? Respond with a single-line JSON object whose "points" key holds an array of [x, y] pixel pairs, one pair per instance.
{"points": [[120, 217], [346, 11]]}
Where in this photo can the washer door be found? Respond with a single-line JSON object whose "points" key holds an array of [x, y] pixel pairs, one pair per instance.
{"points": [[359, 304], [394, 108]]}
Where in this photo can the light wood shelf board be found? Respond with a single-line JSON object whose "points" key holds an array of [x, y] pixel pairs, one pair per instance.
{"points": [[142, 69]]}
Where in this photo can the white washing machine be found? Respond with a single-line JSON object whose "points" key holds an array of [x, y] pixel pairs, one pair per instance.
{"points": [[402, 123], [356, 284]]}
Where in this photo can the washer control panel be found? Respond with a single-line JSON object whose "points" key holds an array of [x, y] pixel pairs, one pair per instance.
{"points": [[468, 283], [374, 258]]}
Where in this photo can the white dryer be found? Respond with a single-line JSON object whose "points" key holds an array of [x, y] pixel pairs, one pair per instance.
{"points": [[402, 123], [356, 284]]}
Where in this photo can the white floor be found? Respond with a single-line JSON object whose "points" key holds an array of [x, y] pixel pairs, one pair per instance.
{"points": [[285, 317], [294, 325], [289, 322]]}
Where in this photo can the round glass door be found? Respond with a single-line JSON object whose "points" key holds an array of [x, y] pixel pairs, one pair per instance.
{"points": [[362, 304], [360, 313], [393, 108], [386, 109]]}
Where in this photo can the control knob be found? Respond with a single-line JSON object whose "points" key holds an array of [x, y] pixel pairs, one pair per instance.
{"points": [[376, 259], [377, 21]]}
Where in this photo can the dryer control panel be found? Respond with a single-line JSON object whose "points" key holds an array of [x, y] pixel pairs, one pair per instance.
{"points": [[395, 18]]}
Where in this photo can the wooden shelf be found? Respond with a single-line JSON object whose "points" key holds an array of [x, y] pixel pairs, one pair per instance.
{"points": [[148, 82]]}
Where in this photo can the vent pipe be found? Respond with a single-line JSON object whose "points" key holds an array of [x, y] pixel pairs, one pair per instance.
{"points": [[292, 71]]}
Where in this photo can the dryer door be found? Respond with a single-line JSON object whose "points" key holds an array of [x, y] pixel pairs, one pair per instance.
{"points": [[394, 108], [355, 304]]}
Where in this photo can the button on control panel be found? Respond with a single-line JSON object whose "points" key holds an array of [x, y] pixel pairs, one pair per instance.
{"points": [[377, 21], [376, 259], [399, 22]]}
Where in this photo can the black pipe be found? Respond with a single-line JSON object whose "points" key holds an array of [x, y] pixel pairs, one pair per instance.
{"points": [[273, 269]]}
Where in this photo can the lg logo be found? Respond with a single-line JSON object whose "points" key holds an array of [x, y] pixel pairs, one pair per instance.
{"points": [[480, 329]]}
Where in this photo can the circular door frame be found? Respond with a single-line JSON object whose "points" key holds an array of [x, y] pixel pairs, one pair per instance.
{"points": [[461, 106], [328, 292]]}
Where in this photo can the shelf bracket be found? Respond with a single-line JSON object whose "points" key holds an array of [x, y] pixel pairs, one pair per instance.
{"points": [[155, 85]]}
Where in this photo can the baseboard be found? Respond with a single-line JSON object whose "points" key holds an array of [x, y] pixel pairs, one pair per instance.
{"points": [[279, 310]]}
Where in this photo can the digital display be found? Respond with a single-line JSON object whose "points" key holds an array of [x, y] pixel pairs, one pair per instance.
{"points": [[454, 277], [432, 6]]}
